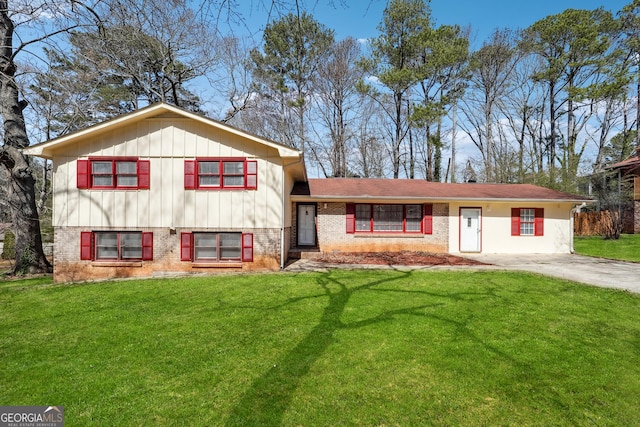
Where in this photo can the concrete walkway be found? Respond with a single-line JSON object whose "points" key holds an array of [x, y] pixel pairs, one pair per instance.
{"points": [[588, 270]]}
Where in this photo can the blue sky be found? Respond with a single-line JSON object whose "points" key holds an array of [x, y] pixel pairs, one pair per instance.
{"points": [[360, 18]]}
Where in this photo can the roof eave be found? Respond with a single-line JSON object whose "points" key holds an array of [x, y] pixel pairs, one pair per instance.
{"points": [[434, 199]]}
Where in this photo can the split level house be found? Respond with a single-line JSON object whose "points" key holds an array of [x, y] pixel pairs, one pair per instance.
{"points": [[163, 191]]}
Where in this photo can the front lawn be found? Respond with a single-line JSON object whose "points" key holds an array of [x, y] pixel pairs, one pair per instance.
{"points": [[360, 348], [627, 248]]}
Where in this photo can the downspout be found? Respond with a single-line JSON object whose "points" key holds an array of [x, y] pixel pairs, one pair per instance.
{"points": [[284, 216], [284, 207], [576, 208]]}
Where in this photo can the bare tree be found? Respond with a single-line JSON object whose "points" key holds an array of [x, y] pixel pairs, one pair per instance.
{"points": [[336, 100], [234, 80], [491, 68], [523, 113]]}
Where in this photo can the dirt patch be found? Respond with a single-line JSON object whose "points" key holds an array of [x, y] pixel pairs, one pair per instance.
{"points": [[395, 258], [5, 266]]}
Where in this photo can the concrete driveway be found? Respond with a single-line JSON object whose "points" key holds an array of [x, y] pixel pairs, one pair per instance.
{"points": [[592, 271]]}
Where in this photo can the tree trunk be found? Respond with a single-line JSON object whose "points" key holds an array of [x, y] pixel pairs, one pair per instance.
{"points": [[21, 192], [429, 156], [489, 155], [398, 134], [552, 142], [453, 143], [638, 109]]}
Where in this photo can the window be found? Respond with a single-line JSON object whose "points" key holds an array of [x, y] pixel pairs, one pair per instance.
{"points": [[116, 246], [216, 247], [527, 222], [382, 218], [363, 217], [217, 174], [122, 173]]}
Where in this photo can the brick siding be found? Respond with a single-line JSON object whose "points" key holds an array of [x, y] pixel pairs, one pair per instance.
{"points": [[332, 235], [166, 256]]}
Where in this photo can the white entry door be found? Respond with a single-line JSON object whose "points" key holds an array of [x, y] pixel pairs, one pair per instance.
{"points": [[306, 225], [470, 233]]}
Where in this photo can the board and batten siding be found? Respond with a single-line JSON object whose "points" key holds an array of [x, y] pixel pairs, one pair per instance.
{"points": [[166, 143]]}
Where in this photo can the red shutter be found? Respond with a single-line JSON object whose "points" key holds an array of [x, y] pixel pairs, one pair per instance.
{"points": [[539, 222], [515, 221], [427, 220], [82, 173], [143, 174], [86, 248], [247, 247], [147, 246], [190, 174], [351, 218], [186, 245], [251, 178]]}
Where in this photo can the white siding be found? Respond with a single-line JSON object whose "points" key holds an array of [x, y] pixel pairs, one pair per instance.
{"points": [[496, 228], [167, 143]]}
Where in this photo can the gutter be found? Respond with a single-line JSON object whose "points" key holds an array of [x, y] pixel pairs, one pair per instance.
{"points": [[423, 199]]}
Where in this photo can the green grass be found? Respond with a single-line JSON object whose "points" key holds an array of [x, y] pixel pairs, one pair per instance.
{"points": [[627, 248], [359, 348]]}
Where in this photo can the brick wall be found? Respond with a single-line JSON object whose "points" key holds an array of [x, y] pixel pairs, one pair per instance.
{"points": [[636, 217], [332, 235], [166, 256]]}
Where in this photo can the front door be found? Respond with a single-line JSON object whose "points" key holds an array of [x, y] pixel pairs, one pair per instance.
{"points": [[470, 233], [306, 225]]}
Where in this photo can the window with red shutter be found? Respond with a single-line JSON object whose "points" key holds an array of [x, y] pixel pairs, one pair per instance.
{"points": [[186, 245], [515, 221], [86, 245], [221, 174], [351, 218], [389, 218], [527, 221], [147, 246], [189, 174], [116, 246], [539, 222], [144, 172], [427, 225], [119, 173], [214, 247], [251, 178], [247, 247], [82, 173]]}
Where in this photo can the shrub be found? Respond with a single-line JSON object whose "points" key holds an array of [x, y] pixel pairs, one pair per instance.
{"points": [[9, 250]]}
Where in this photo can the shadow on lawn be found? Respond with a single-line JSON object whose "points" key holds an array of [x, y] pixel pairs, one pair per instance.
{"points": [[267, 399]]}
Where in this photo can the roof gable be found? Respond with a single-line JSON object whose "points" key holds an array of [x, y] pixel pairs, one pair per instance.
{"points": [[48, 149]]}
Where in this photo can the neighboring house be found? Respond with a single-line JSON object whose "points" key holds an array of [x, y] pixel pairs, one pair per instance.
{"points": [[163, 191], [630, 168]]}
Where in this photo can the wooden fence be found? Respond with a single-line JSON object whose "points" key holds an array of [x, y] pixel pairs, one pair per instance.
{"points": [[597, 223]]}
